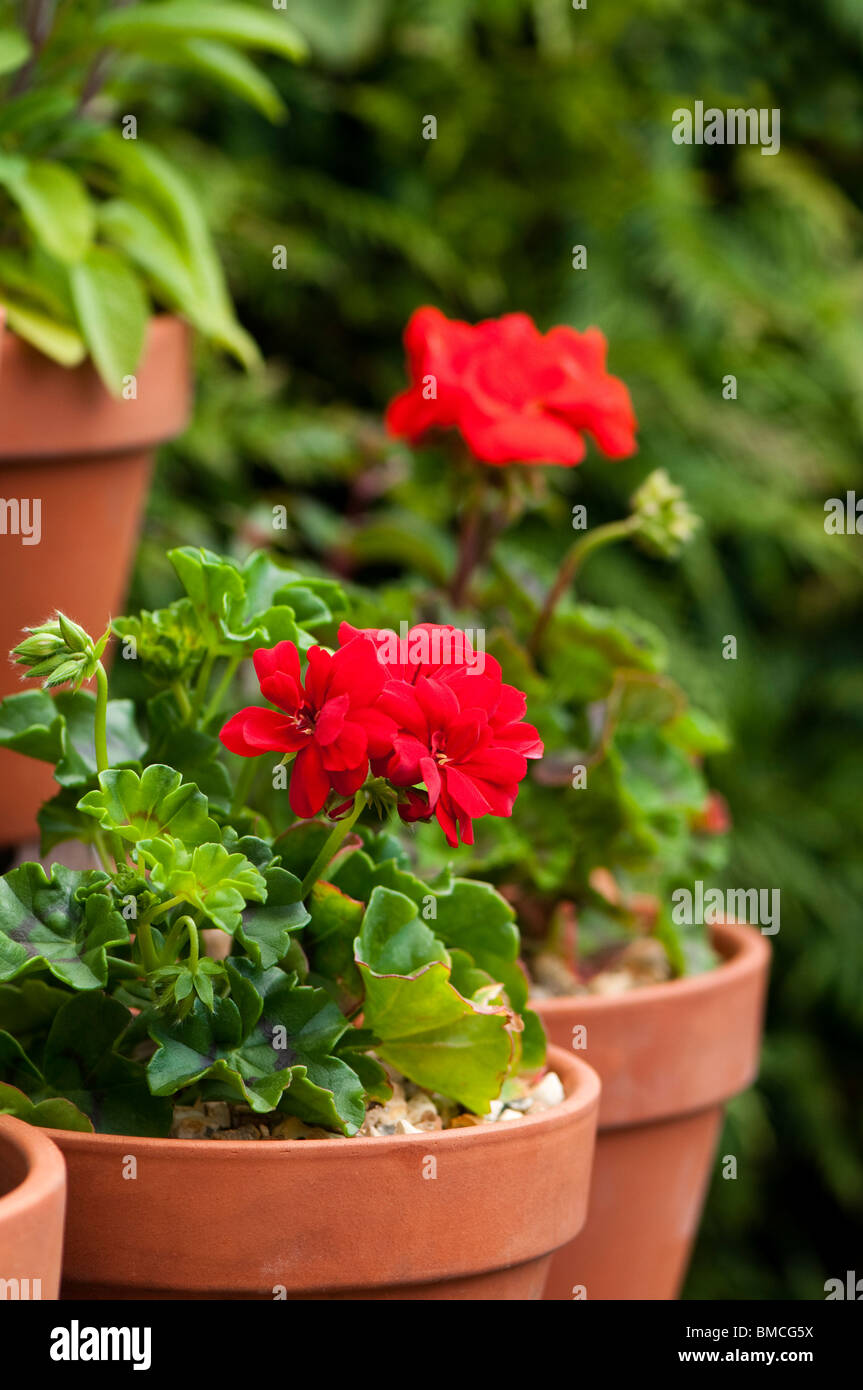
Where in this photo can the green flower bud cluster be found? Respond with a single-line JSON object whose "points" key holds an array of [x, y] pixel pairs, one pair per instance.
{"points": [[60, 652], [666, 521]]}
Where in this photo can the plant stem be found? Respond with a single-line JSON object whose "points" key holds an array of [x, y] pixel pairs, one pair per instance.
{"points": [[244, 785], [202, 682], [144, 935], [468, 549], [572, 563], [221, 688], [144, 938], [182, 699], [332, 844], [101, 850], [194, 945], [187, 925], [101, 730]]}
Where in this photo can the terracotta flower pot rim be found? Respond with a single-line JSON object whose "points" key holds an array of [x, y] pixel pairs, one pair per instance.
{"points": [[84, 420], [742, 947], [580, 1082], [45, 1169]]}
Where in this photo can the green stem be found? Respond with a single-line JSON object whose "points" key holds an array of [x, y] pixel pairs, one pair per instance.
{"points": [[332, 844], [182, 699], [202, 682], [102, 763], [221, 688], [144, 938], [572, 563], [244, 786], [144, 935], [101, 850], [194, 944], [183, 925]]}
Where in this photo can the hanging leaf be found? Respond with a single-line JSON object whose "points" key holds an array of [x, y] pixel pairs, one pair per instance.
{"points": [[112, 313]]}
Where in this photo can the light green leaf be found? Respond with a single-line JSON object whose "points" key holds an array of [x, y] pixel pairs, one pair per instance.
{"points": [[424, 1026], [15, 49], [230, 69], [240, 25], [144, 172], [112, 313], [56, 340], [158, 802], [217, 883], [55, 205]]}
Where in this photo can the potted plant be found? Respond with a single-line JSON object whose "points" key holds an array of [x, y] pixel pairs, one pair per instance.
{"points": [[617, 823], [32, 1202], [100, 228], [358, 1084]]}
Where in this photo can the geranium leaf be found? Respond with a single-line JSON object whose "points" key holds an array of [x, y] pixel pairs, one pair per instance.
{"points": [[59, 820], [58, 925], [213, 585], [216, 882], [15, 1065], [30, 723], [281, 1036], [54, 1113], [167, 642], [334, 922], [463, 914], [29, 1006], [158, 802], [323, 1087], [423, 1025], [265, 930], [77, 764], [190, 751], [80, 1062]]}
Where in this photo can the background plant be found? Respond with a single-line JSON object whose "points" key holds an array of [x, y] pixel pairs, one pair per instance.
{"points": [[553, 131], [98, 225]]}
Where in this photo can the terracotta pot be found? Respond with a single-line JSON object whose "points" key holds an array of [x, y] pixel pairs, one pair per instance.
{"points": [[467, 1213], [32, 1201], [668, 1056], [87, 458]]}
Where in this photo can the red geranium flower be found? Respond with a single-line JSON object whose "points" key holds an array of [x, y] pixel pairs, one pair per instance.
{"points": [[330, 722], [460, 731], [513, 393]]}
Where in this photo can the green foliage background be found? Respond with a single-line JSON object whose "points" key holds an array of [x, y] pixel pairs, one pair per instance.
{"points": [[554, 129]]}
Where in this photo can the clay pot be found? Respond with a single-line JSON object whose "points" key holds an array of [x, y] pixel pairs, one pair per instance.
{"points": [[668, 1056], [87, 457], [32, 1201], [467, 1213]]}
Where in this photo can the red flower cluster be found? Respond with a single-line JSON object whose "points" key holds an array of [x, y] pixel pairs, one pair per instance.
{"points": [[513, 393], [330, 721], [446, 730]]}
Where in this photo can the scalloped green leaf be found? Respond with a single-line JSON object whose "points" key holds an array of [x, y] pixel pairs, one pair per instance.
{"points": [[53, 1113], [77, 764], [156, 802], [63, 924], [216, 882], [271, 1044], [30, 723], [423, 1025], [266, 930], [81, 1063]]}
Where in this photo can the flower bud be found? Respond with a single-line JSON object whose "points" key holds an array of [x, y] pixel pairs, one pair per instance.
{"points": [[667, 522], [58, 651]]}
